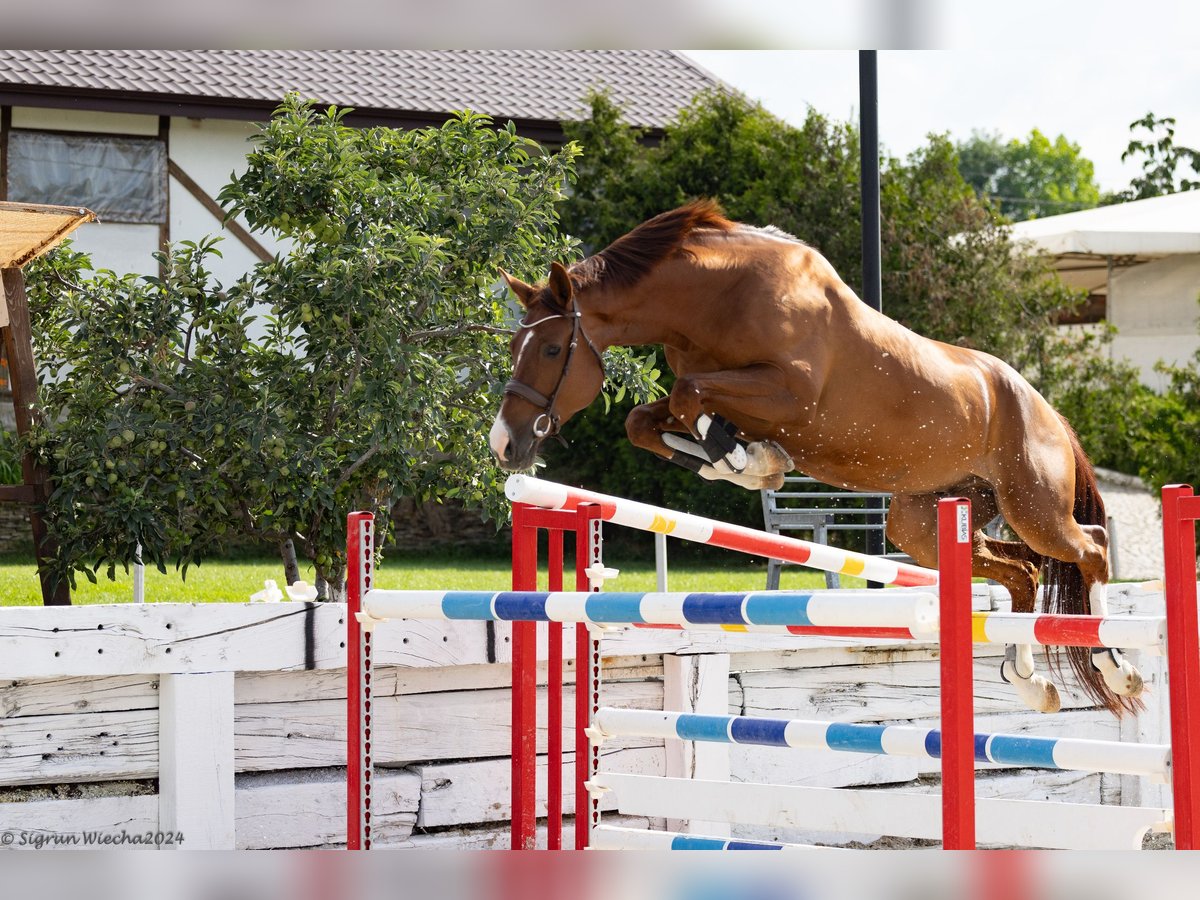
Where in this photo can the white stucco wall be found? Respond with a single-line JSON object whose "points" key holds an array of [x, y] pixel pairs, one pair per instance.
{"points": [[210, 150], [1156, 309]]}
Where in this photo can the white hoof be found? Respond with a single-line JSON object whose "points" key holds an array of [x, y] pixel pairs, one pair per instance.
{"points": [[1035, 691], [749, 482], [767, 458], [1122, 678]]}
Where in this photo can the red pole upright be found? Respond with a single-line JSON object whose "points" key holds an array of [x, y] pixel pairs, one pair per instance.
{"points": [[957, 675], [554, 702], [589, 543], [360, 557], [524, 687], [1181, 509]]}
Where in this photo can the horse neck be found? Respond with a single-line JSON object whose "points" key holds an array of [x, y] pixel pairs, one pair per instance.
{"points": [[656, 310]]}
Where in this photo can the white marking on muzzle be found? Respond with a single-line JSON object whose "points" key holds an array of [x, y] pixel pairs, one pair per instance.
{"points": [[499, 437]]}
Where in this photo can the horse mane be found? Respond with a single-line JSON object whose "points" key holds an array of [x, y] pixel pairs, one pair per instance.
{"points": [[630, 257]]}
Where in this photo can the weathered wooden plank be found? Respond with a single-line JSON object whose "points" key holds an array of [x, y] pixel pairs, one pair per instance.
{"points": [[498, 838], [271, 736], [308, 809], [82, 747], [697, 684], [430, 644], [55, 696], [195, 758], [388, 681], [818, 768], [149, 638], [471, 792], [873, 693], [110, 815], [1024, 784], [408, 728], [284, 810]]}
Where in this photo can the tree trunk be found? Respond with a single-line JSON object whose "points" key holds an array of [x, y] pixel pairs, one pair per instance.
{"points": [[291, 568], [331, 586]]}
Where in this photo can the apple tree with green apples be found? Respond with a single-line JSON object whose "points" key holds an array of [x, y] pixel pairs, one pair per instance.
{"points": [[361, 365]]}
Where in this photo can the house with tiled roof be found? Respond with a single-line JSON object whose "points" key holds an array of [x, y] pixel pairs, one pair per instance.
{"points": [[147, 138]]}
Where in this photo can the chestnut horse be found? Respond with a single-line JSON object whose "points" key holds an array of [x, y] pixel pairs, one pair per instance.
{"points": [[780, 366]]}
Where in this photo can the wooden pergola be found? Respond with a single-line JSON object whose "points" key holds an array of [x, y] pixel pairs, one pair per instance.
{"points": [[28, 230]]}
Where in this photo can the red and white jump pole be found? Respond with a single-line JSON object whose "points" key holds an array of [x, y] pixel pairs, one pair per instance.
{"points": [[643, 516]]}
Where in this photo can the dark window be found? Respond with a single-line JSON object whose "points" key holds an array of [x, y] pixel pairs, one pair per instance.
{"points": [[121, 179]]}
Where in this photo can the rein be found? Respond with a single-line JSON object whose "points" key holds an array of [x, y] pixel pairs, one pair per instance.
{"points": [[548, 422]]}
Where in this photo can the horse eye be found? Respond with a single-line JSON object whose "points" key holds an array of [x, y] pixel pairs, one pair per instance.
{"points": [[553, 350]]}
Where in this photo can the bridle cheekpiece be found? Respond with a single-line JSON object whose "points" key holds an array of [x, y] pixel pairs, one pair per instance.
{"points": [[548, 422]]}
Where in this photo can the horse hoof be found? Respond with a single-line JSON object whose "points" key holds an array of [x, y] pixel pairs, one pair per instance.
{"points": [[767, 458], [1125, 681], [1036, 692], [1119, 674], [1043, 696]]}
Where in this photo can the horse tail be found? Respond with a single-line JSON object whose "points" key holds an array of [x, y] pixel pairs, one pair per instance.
{"points": [[1065, 592]]}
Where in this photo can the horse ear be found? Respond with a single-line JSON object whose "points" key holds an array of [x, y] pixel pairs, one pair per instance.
{"points": [[560, 285], [523, 291]]}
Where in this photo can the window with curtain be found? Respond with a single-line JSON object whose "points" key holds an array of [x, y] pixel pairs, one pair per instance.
{"points": [[121, 179]]}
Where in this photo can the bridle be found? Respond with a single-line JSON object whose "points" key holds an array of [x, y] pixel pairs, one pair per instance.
{"points": [[548, 422]]}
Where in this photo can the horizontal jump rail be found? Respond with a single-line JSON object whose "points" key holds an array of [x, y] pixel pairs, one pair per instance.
{"points": [[1150, 760], [898, 615], [846, 609], [611, 837], [1011, 823], [642, 516]]}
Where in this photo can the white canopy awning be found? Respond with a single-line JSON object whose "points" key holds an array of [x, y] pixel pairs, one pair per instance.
{"points": [[1086, 243]]}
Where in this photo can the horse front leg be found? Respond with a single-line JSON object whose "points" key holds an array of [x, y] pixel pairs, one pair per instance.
{"points": [[652, 427], [711, 405]]}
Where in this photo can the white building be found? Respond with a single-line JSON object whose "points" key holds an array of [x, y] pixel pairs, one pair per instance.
{"points": [[1140, 263], [147, 138]]}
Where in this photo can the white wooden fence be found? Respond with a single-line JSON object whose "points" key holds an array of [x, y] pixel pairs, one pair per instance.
{"points": [[226, 722]]}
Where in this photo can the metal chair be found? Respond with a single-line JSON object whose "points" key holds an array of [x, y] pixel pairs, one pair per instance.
{"points": [[805, 504]]}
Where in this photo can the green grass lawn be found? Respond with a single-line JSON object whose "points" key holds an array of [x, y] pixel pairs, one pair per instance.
{"points": [[222, 581]]}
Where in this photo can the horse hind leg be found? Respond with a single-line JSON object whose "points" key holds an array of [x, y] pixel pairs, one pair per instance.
{"points": [[912, 526], [1015, 566], [1122, 678], [1075, 575]]}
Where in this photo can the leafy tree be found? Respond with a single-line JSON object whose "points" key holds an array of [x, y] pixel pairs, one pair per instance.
{"points": [[1168, 441], [361, 366], [1163, 163], [1031, 178], [950, 270]]}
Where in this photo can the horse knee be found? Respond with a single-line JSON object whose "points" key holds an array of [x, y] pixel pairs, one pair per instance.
{"points": [[642, 427]]}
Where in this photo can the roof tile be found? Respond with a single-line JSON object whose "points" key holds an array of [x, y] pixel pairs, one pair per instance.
{"points": [[652, 85]]}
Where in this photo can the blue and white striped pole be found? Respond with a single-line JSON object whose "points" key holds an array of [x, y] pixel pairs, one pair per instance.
{"points": [[913, 610], [1152, 760]]}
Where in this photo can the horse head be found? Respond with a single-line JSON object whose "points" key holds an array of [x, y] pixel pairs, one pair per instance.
{"points": [[557, 370]]}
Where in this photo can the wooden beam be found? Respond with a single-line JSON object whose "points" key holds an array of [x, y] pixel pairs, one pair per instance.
{"points": [[213, 207], [16, 493], [5, 128], [22, 374], [196, 759]]}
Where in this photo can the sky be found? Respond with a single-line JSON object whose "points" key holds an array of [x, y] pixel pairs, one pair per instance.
{"points": [[1090, 95]]}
